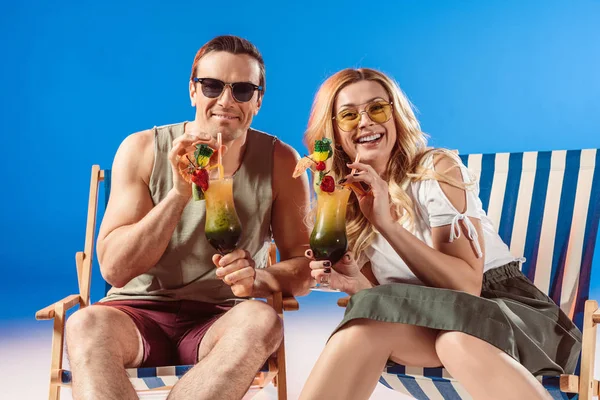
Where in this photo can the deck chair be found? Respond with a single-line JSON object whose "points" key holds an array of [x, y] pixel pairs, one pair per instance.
{"points": [[144, 380], [546, 208]]}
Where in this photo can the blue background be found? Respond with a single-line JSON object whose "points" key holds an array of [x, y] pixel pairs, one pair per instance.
{"points": [[79, 76]]}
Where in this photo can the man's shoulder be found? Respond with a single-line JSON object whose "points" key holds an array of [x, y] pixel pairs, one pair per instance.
{"points": [[139, 139], [169, 127], [145, 138], [158, 129], [169, 131]]}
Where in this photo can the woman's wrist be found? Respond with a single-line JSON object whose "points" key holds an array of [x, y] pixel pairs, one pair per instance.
{"points": [[362, 283], [386, 227]]}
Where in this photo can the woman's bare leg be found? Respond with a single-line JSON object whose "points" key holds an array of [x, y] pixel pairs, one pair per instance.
{"points": [[351, 363], [485, 371]]}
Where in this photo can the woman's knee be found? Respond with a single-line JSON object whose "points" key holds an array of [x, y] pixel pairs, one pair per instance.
{"points": [[359, 329], [452, 345]]}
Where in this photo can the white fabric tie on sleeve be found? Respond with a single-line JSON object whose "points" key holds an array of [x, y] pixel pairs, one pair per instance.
{"points": [[455, 231]]}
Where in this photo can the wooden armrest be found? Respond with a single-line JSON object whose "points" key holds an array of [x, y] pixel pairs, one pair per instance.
{"points": [[68, 302], [343, 301], [569, 383], [290, 304]]}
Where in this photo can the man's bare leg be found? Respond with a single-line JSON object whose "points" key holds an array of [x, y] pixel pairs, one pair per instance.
{"points": [[231, 353], [101, 342]]}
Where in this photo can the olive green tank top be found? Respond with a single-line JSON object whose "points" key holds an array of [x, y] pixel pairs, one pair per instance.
{"points": [[185, 270]]}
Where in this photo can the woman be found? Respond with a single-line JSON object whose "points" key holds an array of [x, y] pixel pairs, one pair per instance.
{"points": [[444, 288]]}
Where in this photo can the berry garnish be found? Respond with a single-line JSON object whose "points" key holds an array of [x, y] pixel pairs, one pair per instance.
{"points": [[200, 178], [321, 166], [327, 184]]}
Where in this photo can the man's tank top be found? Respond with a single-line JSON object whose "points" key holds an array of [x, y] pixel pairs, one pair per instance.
{"points": [[185, 270]]}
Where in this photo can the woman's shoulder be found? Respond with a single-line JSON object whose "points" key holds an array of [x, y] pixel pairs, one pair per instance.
{"points": [[435, 164], [439, 177], [431, 157]]}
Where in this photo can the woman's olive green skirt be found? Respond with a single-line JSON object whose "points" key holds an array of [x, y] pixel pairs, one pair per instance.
{"points": [[511, 314]]}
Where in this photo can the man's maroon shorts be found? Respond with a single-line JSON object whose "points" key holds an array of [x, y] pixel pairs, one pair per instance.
{"points": [[171, 330]]}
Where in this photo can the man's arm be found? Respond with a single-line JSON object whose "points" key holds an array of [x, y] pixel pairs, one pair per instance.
{"points": [[291, 200], [134, 233]]}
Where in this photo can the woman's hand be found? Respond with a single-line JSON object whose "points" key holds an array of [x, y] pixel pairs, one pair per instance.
{"points": [[345, 275], [375, 204]]}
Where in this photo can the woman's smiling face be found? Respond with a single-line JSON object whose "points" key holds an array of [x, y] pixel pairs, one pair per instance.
{"points": [[373, 140]]}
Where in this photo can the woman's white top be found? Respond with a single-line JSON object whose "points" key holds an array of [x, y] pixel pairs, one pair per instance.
{"points": [[433, 209]]}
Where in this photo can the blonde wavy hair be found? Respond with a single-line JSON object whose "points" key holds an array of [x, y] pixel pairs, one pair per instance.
{"points": [[405, 161]]}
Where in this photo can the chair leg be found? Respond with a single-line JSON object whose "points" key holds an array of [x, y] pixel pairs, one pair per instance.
{"points": [[281, 378], [54, 392], [588, 352], [57, 352]]}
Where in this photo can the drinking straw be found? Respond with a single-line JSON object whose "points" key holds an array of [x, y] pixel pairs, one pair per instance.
{"points": [[356, 185], [220, 156], [357, 159]]}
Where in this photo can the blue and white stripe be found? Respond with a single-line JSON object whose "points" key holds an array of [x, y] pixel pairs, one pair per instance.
{"points": [[150, 378]]}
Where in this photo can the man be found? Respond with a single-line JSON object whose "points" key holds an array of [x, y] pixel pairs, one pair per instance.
{"points": [[169, 304]]}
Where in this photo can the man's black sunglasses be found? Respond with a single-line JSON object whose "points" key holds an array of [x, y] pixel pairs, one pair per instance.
{"points": [[242, 91]]}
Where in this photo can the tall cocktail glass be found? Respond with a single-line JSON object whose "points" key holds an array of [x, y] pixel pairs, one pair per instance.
{"points": [[328, 239], [223, 228]]}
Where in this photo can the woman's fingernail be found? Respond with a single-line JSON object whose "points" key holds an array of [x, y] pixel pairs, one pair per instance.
{"points": [[347, 257], [355, 174], [327, 263], [342, 181]]}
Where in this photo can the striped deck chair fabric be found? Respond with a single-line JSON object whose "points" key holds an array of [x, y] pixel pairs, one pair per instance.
{"points": [[146, 379], [546, 208]]}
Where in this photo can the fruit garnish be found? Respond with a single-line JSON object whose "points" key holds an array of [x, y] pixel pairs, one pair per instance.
{"points": [[322, 150], [316, 161], [202, 155], [303, 164], [327, 184], [200, 178], [197, 192], [194, 167]]}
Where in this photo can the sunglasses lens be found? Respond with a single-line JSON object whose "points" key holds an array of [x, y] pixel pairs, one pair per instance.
{"points": [[348, 120], [212, 88], [243, 91], [379, 112]]}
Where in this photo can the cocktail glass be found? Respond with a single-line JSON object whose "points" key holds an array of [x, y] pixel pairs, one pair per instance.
{"points": [[223, 228], [328, 239]]}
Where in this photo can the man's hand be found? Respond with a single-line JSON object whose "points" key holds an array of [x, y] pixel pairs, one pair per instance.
{"points": [[237, 270], [183, 145]]}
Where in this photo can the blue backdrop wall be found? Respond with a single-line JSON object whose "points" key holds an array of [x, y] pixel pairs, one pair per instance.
{"points": [[79, 76]]}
